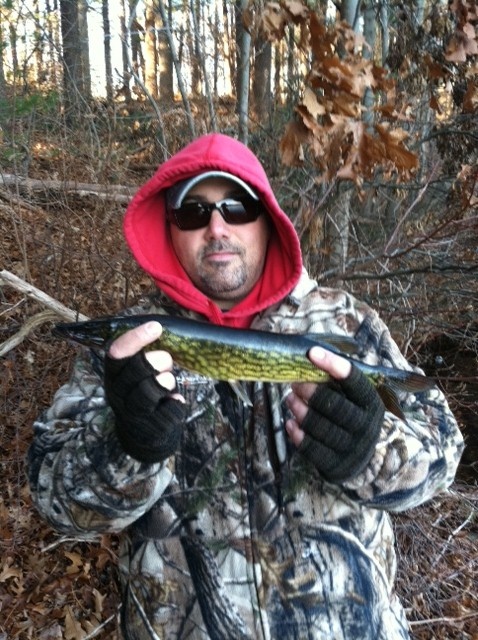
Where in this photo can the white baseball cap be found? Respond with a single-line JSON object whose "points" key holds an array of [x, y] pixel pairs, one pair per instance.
{"points": [[177, 193]]}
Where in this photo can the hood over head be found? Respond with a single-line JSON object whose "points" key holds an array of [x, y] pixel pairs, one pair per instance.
{"points": [[147, 232]]}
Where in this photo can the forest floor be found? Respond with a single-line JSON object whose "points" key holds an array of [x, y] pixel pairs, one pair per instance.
{"points": [[52, 587]]}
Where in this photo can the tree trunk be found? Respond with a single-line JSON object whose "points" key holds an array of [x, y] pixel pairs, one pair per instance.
{"points": [[384, 31], [107, 50], [53, 37], [228, 46], [261, 81], [151, 50], [3, 93], [84, 44], [336, 231], [126, 89], [200, 55], [216, 52], [337, 222], [177, 66], [71, 59], [165, 61], [350, 12], [292, 75], [40, 75], [135, 29], [243, 46], [13, 45], [420, 12], [193, 45], [369, 25], [278, 73]]}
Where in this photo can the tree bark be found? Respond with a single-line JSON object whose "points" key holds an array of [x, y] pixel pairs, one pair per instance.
{"points": [[71, 59], [350, 12], [201, 58], [384, 31], [3, 94], [53, 37], [243, 47], [84, 44], [151, 51], [369, 26], [165, 60], [107, 50], [125, 89], [261, 81], [228, 46], [182, 88], [193, 46]]}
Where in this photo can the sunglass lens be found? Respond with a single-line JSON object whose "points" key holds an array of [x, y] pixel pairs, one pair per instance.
{"points": [[240, 211], [192, 215], [195, 215]]}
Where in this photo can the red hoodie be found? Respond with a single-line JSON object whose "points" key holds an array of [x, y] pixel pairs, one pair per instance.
{"points": [[147, 233]]}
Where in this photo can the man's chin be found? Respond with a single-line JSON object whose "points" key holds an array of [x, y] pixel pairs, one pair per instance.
{"points": [[222, 287]]}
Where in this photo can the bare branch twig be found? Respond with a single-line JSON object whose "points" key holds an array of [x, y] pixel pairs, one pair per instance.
{"points": [[9, 278], [54, 310], [30, 325]]}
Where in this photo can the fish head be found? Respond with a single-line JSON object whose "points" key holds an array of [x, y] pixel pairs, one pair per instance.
{"points": [[86, 333]]}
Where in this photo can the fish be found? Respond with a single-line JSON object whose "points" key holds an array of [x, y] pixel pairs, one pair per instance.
{"points": [[231, 355]]}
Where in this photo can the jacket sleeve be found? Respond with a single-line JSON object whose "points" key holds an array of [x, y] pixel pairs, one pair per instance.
{"points": [[417, 456], [80, 479]]}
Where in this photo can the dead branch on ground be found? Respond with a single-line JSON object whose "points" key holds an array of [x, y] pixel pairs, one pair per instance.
{"points": [[55, 309], [115, 193]]}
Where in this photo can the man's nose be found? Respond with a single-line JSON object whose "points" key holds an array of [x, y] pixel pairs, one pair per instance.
{"points": [[217, 227]]}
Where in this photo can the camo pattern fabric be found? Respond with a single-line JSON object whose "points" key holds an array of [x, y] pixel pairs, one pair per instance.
{"points": [[236, 536]]}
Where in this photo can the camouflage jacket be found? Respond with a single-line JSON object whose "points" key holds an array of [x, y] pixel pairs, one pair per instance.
{"points": [[236, 536]]}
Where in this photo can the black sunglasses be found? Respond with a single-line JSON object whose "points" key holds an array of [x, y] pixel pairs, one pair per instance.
{"points": [[195, 215]]}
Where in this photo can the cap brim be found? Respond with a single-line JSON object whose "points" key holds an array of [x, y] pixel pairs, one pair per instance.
{"points": [[179, 191]]}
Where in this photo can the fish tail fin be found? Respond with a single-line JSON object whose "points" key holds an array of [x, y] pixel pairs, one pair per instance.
{"points": [[410, 381], [401, 380]]}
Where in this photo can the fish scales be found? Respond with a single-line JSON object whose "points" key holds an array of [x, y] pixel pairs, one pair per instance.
{"points": [[231, 362]]}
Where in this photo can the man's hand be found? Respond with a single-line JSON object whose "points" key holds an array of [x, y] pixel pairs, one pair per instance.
{"points": [[337, 424], [134, 340], [139, 386]]}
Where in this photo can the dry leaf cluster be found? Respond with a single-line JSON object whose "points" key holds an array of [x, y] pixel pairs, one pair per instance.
{"points": [[331, 127]]}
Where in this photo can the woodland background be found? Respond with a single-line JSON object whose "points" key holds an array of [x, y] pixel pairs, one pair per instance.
{"points": [[364, 115]]}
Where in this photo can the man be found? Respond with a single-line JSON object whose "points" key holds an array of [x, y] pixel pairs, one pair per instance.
{"points": [[257, 521]]}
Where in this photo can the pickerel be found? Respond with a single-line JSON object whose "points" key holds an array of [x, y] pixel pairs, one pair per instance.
{"points": [[222, 353]]}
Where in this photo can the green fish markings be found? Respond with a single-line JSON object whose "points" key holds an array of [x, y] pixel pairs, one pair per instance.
{"points": [[222, 353]]}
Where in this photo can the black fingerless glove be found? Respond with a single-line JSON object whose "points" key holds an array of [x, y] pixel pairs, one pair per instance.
{"points": [[148, 421], [342, 426]]}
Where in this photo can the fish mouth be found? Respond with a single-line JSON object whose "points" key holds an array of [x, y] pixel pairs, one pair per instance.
{"points": [[61, 329], [72, 332]]}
